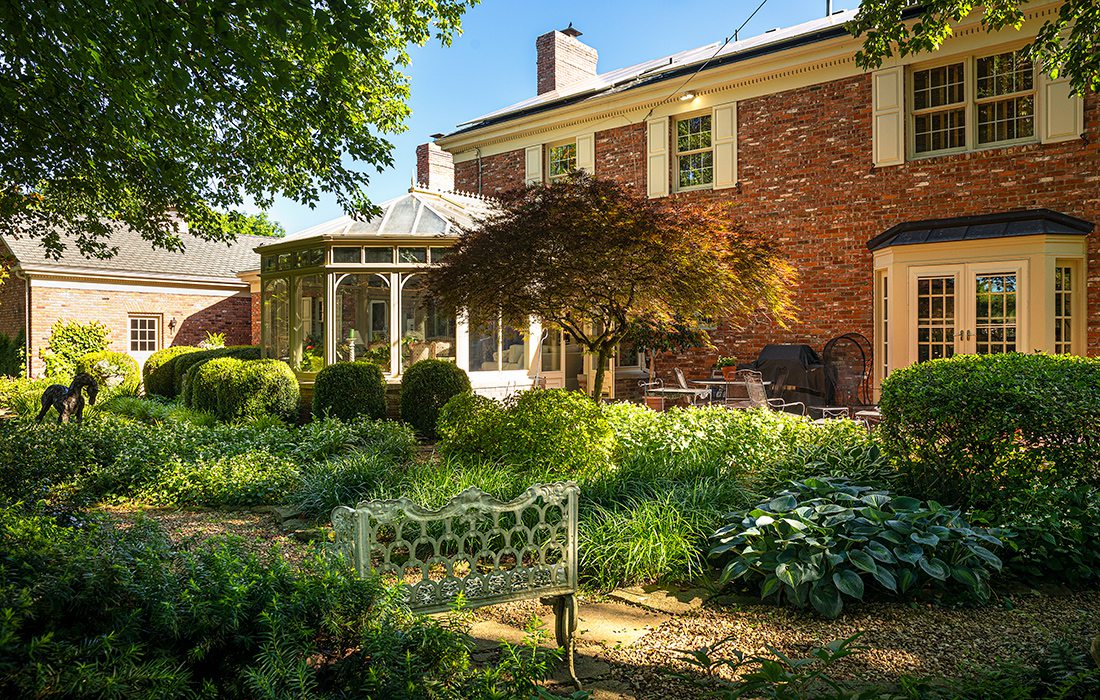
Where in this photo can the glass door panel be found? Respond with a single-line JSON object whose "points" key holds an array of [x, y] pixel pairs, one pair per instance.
{"points": [[935, 317], [995, 313]]}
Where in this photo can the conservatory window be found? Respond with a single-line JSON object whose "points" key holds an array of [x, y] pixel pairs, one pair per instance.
{"points": [[362, 318], [377, 255], [347, 254], [426, 332], [276, 314], [309, 336], [438, 254], [551, 351], [495, 346], [412, 255]]}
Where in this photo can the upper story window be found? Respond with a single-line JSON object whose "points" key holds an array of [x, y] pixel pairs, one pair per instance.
{"points": [[561, 160], [694, 152], [968, 104]]}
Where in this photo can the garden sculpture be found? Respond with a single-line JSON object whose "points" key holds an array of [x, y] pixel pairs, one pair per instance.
{"points": [[69, 400], [475, 549]]}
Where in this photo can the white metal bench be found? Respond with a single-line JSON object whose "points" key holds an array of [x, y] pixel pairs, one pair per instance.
{"points": [[486, 550]]}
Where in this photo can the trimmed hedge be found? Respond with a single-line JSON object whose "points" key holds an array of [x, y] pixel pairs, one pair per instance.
{"points": [[234, 389], [348, 390], [183, 364], [116, 371], [972, 429], [425, 388], [158, 370]]}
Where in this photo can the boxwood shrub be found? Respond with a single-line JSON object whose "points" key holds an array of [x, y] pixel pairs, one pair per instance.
{"points": [[826, 540], [348, 390], [235, 389], [158, 370], [425, 388], [184, 362], [974, 428]]}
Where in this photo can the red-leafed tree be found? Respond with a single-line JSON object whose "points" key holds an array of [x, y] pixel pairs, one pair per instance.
{"points": [[594, 258]]}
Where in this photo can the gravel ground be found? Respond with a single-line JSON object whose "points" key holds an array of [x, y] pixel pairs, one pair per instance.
{"points": [[903, 639]]}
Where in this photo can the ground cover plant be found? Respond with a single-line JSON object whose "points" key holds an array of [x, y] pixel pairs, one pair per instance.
{"points": [[972, 429], [824, 541], [97, 611]]}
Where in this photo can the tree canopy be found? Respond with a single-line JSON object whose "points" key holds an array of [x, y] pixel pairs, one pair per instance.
{"points": [[1066, 43], [160, 114], [596, 259]]}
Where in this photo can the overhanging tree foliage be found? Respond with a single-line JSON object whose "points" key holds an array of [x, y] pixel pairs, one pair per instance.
{"points": [[1068, 43], [160, 114], [595, 259]]}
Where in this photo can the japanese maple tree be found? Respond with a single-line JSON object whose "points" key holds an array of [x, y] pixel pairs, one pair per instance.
{"points": [[595, 258]]}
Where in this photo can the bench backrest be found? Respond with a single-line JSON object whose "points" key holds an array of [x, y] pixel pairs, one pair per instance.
{"points": [[489, 551]]}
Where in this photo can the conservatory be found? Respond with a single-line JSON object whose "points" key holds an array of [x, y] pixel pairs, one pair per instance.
{"points": [[349, 290]]}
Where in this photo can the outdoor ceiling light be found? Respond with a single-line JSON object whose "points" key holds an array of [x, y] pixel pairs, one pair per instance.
{"points": [[689, 95]]}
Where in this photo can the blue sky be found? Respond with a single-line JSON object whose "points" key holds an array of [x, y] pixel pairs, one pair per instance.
{"points": [[492, 64]]}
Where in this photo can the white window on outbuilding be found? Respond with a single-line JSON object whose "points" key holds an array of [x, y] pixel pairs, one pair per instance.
{"points": [[144, 334]]}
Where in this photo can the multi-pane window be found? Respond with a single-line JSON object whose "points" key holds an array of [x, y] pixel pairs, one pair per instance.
{"points": [[144, 335], [985, 101], [561, 160], [1063, 310], [939, 108], [885, 326], [694, 152], [1005, 97], [935, 318], [995, 314]]}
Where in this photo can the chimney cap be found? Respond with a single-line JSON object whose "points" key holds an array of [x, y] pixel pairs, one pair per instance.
{"points": [[571, 31]]}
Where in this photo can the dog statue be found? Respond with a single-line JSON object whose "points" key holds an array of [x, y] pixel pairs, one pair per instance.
{"points": [[69, 400]]}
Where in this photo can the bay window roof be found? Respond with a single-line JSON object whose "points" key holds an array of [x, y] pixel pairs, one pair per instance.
{"points": [[1032, 222]]}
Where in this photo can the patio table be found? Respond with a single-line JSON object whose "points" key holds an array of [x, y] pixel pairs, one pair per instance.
{"points": [[725, 384]]}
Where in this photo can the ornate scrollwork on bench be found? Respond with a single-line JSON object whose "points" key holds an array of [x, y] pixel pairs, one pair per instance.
{"points": [[487, 550]]}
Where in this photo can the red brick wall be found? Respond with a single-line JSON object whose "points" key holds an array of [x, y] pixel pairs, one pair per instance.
{"points": [[194, 315], [806, 177], [255, 311], [13, 305]]}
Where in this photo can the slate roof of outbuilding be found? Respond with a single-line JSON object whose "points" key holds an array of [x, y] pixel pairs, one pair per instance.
{"points": [[199, 258]]}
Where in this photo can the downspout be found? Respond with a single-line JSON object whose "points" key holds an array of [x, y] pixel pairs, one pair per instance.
{"points": [[26, 321], [478, 152]]}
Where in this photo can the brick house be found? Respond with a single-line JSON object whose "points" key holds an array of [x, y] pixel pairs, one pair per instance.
{"points": [[940, 205], [148, 298]]}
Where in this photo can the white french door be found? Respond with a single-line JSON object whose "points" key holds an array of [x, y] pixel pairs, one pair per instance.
{"points": [[973, 308]]}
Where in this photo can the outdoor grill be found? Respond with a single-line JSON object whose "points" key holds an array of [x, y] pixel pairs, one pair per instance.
{"points": [[796, 372]]}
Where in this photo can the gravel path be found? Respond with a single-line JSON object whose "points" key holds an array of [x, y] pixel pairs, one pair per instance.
{"points": [[904, 639]]}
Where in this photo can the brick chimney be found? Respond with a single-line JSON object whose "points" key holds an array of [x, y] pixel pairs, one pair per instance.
{"points": [[563, 59], [435, 168]]}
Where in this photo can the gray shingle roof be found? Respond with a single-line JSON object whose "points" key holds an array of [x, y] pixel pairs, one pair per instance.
{"points": [[200, 258]]}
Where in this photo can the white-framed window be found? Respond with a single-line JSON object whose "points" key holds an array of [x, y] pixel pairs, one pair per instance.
{"points": [[971, 103], [694, 152], [495, 346], [561, 159], [630, 357], [144, 333], [1063, 309]]}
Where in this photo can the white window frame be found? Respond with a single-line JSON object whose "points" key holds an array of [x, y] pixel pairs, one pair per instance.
{"points": [[156, 340], [550, 147], [677, 153], [970, 105]]}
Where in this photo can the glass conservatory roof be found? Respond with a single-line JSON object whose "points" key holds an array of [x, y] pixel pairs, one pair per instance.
{"points": [[418, 213]]}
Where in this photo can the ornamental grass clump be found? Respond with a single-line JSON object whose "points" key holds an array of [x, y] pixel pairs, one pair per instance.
{"points": [[824, 541]]}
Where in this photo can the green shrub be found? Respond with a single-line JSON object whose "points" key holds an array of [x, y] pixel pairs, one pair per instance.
{"points": [[425, 388], [69, 341], [260, 388], [183, 363], [22, 396], [206, 382], [105, 612], [116, 372], [974, 428], [554, 429], [159, 368], [155, 411], [468, 426], [1055, 533], [250, 479], [13, 355], [348, 390], [823, 540]]}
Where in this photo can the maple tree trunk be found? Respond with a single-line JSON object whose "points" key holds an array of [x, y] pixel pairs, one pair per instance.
{"points": [[601, 369]]}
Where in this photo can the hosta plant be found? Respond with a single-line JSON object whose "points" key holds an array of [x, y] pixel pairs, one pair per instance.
{"points": [[823, 541]]}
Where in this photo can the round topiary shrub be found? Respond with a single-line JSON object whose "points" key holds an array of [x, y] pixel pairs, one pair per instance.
{"points": [[207, 380], [257, 388], [183, 364], [114, 371], [348, 390], [425, 388], [468, 426], [972, 429], [157, 372]]}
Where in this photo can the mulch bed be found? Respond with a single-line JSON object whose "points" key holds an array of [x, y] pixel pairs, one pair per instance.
{"points": [[904, 639]]}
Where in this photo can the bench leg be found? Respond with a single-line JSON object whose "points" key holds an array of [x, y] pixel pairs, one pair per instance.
{"points": [[565, 615]]}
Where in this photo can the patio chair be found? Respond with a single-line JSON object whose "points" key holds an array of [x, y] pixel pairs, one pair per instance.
{"points": [[757, 395], [702, 394]]}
